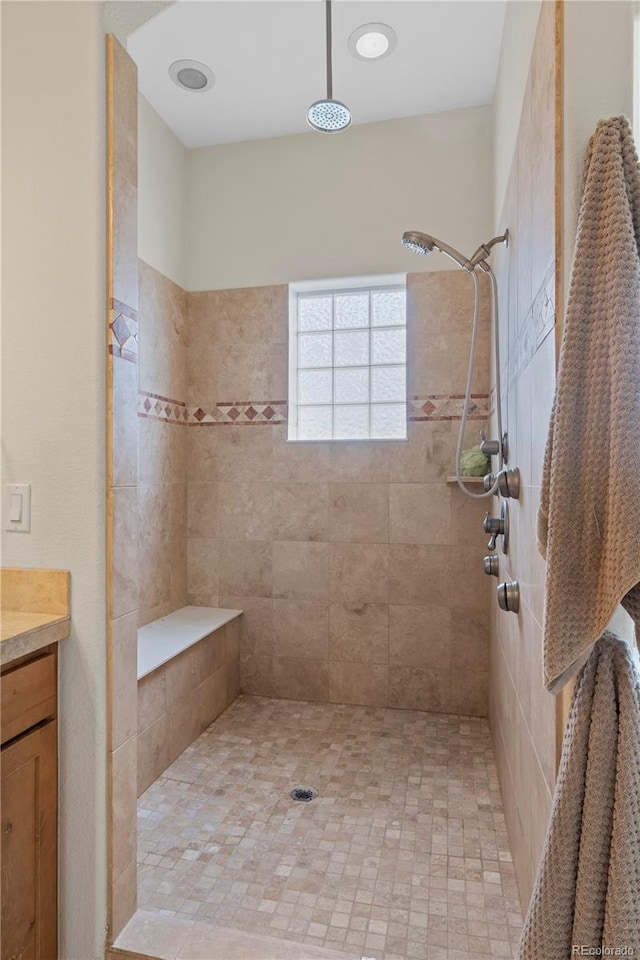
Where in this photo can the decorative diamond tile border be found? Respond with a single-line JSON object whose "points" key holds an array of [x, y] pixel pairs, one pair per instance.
{"points": [[239, 412], [443, 406], [123, 331], [152, 406]]}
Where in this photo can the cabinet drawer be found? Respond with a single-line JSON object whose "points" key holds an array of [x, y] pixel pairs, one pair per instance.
{"points": [[27, 696]]}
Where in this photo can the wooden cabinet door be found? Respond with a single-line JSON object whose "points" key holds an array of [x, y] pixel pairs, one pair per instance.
{"points": [[29, 838]]}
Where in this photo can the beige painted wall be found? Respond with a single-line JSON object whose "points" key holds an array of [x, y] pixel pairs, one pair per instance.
{"points": [[307, 206], [53, 393], [598, 75], [521, 20], [162, 165]]}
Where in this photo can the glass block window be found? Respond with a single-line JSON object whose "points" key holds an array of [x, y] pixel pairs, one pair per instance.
{"points": [[348, 360]]}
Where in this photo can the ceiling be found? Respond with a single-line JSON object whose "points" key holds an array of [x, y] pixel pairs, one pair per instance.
{"points": [[269, 62]]}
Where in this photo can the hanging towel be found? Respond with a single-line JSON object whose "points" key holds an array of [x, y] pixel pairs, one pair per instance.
{"points": [[589, 517], [587, 891]]}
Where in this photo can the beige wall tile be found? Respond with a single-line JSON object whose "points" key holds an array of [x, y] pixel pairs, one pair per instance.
{"points": [[428, 339], [202, 453], [301, 679], [184, 720], [420, 637], [124, 564], [233, 679], [125, 240], [300, 570], [182, 676], [249, 369], [359, 632], [355, 460], [154, 547], [419, 574], [471, 589], [245, 511], [163, 335], [466, 521], [125, 422], [178, 545], [152, 698], [211, 653], [243, 453], [256, 675], [246, 568], [153, 752], [359, 572], [301, 511], [301, 629], [154, 451], [365, 683], [125, 114], [202, 510], [124, 678], [178, 451], [123, 898], [470, 641], [427, 456], [256, 623], [359, 512], [212, 696], [123, 798], [414, 688], [469, 692], [299, 462], [419, 513], [204, 570]]}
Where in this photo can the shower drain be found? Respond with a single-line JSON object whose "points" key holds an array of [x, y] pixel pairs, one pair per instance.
{"points": [[303, 794]]}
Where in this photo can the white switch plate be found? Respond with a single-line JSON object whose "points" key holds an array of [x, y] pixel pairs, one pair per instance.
{"points": [[17, 498]]}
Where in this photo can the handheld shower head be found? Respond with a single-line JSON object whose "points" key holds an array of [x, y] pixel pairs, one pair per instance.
{"points": [[423, 243], [416, 242]]}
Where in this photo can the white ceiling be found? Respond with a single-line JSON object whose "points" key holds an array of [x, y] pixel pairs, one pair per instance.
{"points": [[269, 62]]}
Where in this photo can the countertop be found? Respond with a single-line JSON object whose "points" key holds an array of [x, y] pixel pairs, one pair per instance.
{"points": [[24, 632], [34, 610]]}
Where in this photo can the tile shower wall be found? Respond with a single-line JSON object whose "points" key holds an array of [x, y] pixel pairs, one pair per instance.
{"points": [[357, 566], [122, 461], [522, 713], [162, 446]]}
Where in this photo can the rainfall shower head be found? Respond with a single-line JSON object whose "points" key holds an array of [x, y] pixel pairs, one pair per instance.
{"points": [[423, 243], [328, 115]]}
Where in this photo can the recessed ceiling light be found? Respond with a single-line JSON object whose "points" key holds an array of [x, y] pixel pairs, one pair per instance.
{"points": [[372, 41], [192, 75]]}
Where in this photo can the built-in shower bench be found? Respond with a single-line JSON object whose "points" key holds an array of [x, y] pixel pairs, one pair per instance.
{"points": [[188, 673]]}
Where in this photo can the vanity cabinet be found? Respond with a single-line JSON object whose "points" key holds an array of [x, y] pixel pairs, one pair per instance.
{"points": [[29, 784]]}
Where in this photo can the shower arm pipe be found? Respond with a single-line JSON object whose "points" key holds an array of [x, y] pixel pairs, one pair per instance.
{"points": [[467, 399], [329, 41]]}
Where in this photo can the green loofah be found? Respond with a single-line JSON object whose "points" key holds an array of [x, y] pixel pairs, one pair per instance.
{"points": [[474, 463]]}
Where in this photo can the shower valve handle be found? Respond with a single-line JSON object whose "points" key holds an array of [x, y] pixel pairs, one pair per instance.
{"points": [[494, 526]]}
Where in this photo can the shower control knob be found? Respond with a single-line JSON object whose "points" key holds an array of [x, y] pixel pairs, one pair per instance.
{"points": [[489, 480], [491, 565], [509, 483], [509, 596]]}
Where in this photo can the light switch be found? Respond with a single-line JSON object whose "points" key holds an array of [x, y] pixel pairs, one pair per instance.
{"points": [[16, 507]]}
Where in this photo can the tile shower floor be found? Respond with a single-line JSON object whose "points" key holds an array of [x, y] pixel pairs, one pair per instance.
{"points": [[404, 853]]}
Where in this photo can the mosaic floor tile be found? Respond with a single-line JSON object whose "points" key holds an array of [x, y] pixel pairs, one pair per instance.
{"points": [[403, 853]]}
